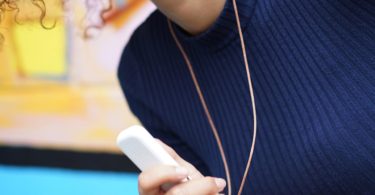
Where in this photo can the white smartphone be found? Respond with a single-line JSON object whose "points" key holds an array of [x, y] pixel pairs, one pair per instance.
{"points": [[143, 150]]}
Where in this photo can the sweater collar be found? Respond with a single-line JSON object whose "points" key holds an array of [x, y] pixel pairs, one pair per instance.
{"points": [[223, 31]]}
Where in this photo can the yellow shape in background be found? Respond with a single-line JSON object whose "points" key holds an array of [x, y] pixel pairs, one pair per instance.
{"points": [[100, 133], [41, 52]]}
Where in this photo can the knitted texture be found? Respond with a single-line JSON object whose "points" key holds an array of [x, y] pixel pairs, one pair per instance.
{"points": [[313, 69]]}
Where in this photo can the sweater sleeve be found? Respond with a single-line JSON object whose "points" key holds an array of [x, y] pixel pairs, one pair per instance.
{"points": [[131, 85], [224, 29]]}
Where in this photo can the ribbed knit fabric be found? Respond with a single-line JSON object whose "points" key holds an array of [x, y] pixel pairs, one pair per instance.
{"points": [[313, 68]]}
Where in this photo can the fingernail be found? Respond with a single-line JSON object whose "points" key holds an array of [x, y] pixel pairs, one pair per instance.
{"points": [[182, 172], [220, 183]]}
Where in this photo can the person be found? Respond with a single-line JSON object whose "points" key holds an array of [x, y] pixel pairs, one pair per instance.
{"points": [[313, 71]]}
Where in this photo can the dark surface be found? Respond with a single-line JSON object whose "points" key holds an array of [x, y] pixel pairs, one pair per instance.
{"points": [[25, 156]]}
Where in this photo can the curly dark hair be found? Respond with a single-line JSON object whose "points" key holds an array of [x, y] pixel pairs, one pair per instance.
{"points": [[12, 6], [92, 5]]}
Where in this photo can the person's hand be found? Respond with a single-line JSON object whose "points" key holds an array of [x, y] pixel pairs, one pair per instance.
{"points": [[151, 180], [195, 16]]}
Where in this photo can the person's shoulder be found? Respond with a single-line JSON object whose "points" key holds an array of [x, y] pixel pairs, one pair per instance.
{"points": [[155, 21], [144, 40], [145, 37], [148, 31]]}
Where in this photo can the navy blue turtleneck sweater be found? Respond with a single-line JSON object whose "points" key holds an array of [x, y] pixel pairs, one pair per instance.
{"points": [[313, 68]]}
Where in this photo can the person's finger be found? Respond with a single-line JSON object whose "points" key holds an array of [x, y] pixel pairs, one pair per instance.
{"points": [[150, 180], [170, 151], [193, 172], [203, 186]]}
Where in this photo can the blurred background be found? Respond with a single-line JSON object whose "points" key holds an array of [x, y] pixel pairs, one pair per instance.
{"points": [[61, 106]]}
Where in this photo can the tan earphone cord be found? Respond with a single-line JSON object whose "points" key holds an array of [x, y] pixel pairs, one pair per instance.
{"points": [[207, 112]]}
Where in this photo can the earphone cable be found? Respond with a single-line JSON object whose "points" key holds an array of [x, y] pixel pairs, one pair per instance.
{"points": [[207, 112]]}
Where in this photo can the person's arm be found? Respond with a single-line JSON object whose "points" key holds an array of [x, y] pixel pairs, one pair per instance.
{"points": [[194, 16], [150, 181]]}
